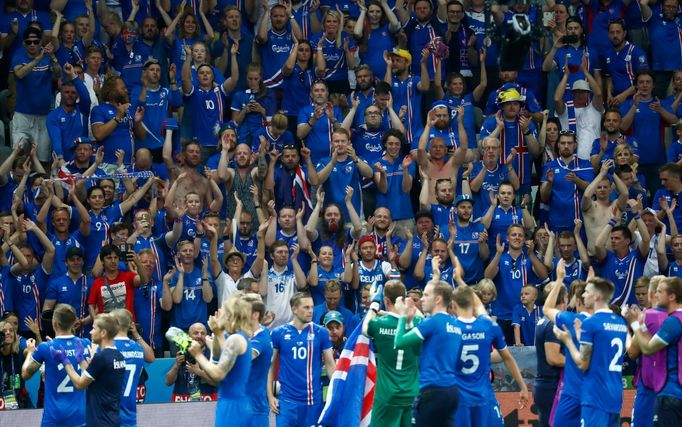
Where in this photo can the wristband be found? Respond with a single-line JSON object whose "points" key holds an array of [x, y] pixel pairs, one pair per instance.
{"points": [[117, 119], [526, 133], [612, 222], [375, 307], [636, 325], [637, 216]]}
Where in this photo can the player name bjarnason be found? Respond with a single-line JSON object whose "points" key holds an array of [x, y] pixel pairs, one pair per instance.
{"points": [[618, 327]]}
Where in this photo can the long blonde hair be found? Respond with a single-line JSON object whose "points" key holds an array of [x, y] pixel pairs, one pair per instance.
{"points": [[15, 345], [238, 314]]}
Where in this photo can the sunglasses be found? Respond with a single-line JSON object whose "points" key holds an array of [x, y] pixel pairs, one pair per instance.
{"points": [[32, 42], [566, 132]]}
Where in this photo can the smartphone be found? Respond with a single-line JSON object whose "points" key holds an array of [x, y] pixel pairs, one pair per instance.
{"points": [[124, 248], [546, 17], [570, 39]]}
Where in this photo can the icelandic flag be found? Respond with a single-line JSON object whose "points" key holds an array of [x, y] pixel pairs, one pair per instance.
{"points": [[351, 389]]}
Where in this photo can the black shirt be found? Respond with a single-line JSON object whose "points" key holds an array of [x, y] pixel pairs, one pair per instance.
{"points": [[547, 373], [107, 371]]}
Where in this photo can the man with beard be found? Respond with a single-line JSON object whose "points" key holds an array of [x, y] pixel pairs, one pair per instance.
{"points": [[142, 238], [407, 89], [470, 240], [423, 226], [288, 179], [442, 209], [364, 93], [342, 173], [596, 212], [115, 121], [603, 147], [487, 175], [437, 165], [564, 179], [154, 47], [69, 121], [189, 381], [187, 171], [381, 226], [394, 178], [157, 102], [231, 23], [275, 44], [317, 121], [333, 322], [623, 61], [570, 242], [242, 178], [368, 133]]}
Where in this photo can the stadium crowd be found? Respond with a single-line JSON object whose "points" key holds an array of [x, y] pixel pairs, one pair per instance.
{"points": [[444, 177]]}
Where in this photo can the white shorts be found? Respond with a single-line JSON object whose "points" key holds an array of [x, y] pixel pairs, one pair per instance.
{"points": [[32, 128]]}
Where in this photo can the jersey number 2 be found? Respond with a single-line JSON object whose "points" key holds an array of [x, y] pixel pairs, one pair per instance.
{"points": [[614, 366]]}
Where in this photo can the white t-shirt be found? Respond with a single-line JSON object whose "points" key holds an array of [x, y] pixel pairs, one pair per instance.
{"points": [[227, 286], [588, 126]]}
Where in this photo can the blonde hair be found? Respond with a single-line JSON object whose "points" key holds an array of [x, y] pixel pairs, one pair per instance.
{"points": [[486, 285], [15, 345], [339, 17], [238, 315], [279, 121], [654, 281]]}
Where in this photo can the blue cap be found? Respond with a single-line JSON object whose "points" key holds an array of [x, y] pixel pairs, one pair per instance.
{"points": [[333, 316], [438, 104], [463, 198]]}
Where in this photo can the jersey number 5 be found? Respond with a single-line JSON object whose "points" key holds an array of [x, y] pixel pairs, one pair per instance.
{"points": [[468, 354]]}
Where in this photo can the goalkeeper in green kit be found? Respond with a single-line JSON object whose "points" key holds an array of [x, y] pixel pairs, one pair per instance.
{"points": [[397, 370]]}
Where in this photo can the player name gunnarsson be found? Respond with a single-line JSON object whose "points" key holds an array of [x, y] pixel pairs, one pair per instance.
{"points": [[615, 327]]}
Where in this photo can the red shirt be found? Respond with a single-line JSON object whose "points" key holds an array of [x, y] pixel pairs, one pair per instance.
{"points": [[122, 289]]}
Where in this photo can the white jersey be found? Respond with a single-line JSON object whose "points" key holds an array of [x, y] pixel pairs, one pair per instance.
{"points": [[281, 287]]}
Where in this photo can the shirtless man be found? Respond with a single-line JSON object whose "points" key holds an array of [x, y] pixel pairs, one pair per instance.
{"points": [[192, 180], [598, 212], [437, 165]]}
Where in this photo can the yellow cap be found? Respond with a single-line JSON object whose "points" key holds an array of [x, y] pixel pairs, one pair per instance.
{"points": [[403, 53], [509, 95]]}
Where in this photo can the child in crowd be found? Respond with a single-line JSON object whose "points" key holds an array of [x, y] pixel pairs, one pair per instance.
{"points": [[487, 293], [525, 316]]}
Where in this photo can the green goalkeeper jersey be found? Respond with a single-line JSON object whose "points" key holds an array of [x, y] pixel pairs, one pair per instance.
{"points": [[397, 370]]}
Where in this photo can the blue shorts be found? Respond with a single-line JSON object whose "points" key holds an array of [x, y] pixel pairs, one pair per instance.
{"points": [[259, 420], [232, 409], [567, 413], [593, 416], [643, 408], [295, 414], [472, 416]]}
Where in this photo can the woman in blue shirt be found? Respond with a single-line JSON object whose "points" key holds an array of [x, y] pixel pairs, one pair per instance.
{"points": [[338, 48], [253, 108], [374, 29], [299, 76]]}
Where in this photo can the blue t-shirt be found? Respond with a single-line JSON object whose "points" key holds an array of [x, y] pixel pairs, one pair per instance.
{"points": [[603, 386], [566, 196], [666, 46], [64, 127], [64, 403], [64, 290], [206, 109], [511, 277], [466, 248], [192, 308], [491, 182], [274, 53], [623, 273], [479, 336], [647, 125], [261, 346], [134, 363], [300, 362], [34, 91], [253, 121], [670, 333], [107, 370], [395, 199], [623, 66], [441, 350], [344, 173], [29, 295], [527, 322], [335, 55], [148, 312], [121, 138], [319, 138]]}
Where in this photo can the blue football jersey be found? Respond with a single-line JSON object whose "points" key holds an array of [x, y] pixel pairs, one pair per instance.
{"points": [[441, 351], [603, 386], [300, 361], [64, 404], [134, 356]]}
